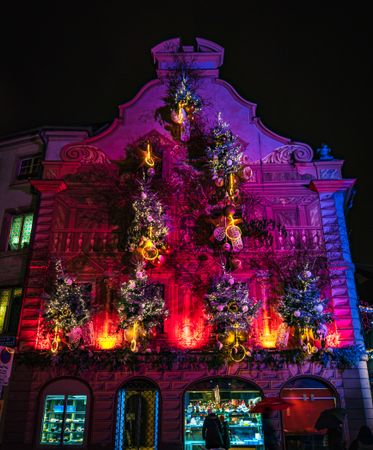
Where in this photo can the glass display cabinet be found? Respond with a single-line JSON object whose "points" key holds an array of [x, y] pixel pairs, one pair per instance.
{"points": [[64, 420], [232, 402]]}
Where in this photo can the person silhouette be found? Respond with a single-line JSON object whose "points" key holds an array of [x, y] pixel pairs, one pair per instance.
{"points": [[225, 433], [212, 431]]}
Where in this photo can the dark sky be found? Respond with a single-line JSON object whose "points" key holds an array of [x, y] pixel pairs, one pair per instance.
{"points": [[306, 64]]}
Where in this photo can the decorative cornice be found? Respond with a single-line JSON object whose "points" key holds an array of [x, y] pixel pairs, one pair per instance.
{"points": [[332, 185], [49, 185], [288, 154], [86, 154]]}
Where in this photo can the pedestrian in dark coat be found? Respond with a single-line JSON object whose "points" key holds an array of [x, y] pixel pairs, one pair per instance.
{"points": [[225, 433], [212, 431], [364, 440], [335, 438], [270, 438]]}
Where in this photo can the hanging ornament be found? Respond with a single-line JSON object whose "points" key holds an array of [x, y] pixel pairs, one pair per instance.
{"points": [[56, 340], [149, 160], [236, 263], [149, 251], [231, 185], [219, 233], [133, 345], [227, 247], [237, 245], [232, 231], [238, 352]]}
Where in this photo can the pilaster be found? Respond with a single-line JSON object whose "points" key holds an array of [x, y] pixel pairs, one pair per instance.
{"points": [[332, 194], [38, 261]]}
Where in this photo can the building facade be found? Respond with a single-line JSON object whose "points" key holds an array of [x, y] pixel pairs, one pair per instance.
{"points": [[21, 162], [106, 389]]}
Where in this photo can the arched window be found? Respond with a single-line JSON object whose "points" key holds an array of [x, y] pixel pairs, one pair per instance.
{"points": [[64, 415], [309, 397], [137, 421], [229, 397]]}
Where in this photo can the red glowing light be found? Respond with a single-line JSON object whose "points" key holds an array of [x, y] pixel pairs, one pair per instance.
{"points": [[189, 333], [106, 336]]}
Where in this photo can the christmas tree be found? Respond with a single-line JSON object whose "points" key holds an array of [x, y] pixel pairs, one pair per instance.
{"points": [[303, 308], [67, 307]]}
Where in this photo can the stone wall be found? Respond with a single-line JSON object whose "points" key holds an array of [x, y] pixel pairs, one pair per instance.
{"points": [[25, 399]]}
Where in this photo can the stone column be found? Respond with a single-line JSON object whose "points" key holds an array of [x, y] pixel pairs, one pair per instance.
{"points": [[38, 264], [358, 399]]}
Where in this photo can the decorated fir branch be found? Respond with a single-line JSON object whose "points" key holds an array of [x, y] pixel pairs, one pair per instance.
{"points": [[141, 307], [224, 155], [302, 307], [182, 100], [148, 230], [67, 308], [182, 93], [229, 305]]}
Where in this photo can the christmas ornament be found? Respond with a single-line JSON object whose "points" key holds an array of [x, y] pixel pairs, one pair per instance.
{"points": [[219, 233]]}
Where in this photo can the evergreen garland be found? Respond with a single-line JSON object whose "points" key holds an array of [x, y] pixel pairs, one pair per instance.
{"points": [[80, 360]]}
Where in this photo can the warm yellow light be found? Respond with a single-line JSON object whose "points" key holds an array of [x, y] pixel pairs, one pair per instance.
{"points": [[149, 251], [232, 231], [231, 337], [107, 342], [269, 340], [56, 340], [149, 160], [231, 184]]}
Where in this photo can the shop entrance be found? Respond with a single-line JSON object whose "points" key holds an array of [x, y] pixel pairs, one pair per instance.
{"points": [[137, 419], [309, 397], [232, 398]]}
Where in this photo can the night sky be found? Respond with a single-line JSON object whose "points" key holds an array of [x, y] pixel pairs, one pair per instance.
{"points": [[306, 65]]}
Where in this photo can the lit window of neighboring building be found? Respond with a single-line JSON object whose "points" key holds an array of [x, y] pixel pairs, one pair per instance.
{"points": [[10, 308], [29, 167], [20, 231]]}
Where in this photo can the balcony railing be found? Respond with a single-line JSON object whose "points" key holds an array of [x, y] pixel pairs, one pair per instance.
{"points": [[76, 241], [66, 241]]}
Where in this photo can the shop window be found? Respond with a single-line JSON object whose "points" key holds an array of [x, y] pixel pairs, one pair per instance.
{"points": [[29, 167], [231, 398], [137, 421], [20, 231], [64, 414], [309, 397], [10, 308]]}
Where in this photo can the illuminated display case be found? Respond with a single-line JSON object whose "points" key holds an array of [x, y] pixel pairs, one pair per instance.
{"points": [[64, 420], [245, 428]]}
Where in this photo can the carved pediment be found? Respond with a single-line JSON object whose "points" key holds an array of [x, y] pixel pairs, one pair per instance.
{"points": [[288, 154], [86, 154]]}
